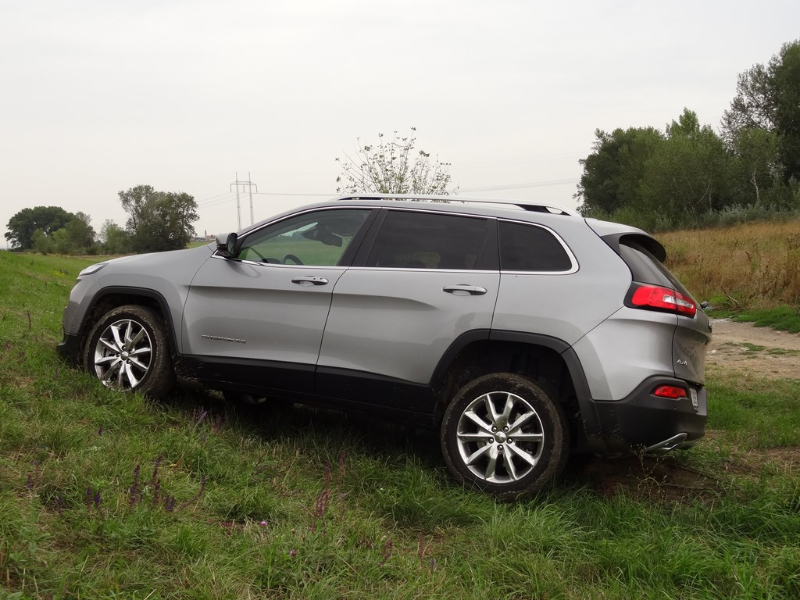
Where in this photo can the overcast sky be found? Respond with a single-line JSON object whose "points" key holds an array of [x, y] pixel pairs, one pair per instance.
{"points": [[98, 96]]}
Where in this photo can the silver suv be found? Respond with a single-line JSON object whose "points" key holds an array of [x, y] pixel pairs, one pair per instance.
{"points": [[522, 332]]}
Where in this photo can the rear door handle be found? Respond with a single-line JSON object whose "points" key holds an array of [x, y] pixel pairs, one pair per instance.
{"points": [[309, 281], [463, 289]]}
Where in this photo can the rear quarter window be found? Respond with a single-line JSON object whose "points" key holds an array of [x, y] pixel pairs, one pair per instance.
{"points": [[646, 268], [531, 248]]}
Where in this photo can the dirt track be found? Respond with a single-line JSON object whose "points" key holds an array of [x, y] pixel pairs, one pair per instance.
{"points": [[757, 351]]}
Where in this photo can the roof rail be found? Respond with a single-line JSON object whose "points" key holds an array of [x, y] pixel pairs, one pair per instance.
{"points": [[529, 206]]}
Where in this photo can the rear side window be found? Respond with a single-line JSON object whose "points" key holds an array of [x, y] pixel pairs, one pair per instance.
{"points": [[646, 268], [531, 248], [418, 240]]}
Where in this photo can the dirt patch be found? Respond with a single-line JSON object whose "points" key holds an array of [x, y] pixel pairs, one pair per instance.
{"points": [[662, 479], [758, 351]]}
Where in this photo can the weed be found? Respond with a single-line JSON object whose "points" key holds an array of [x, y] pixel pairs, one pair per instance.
{"points": [[111, 495]]}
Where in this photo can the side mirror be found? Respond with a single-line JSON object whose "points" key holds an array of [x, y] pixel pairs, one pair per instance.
{"points": [[227, 245]]}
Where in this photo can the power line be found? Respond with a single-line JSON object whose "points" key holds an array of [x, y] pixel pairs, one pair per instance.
{"points": [[217, 199], [280, 194], [204, 200], [519, 186]]}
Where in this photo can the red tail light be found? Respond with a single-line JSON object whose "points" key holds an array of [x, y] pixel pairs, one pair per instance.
{"points": [[669, 391], [661, 298]]}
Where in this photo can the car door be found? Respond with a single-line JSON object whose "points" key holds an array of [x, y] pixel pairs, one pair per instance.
{"points": [[424, 280], [256, 320]]}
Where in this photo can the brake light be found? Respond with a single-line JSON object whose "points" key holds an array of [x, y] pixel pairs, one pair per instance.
{"points": [[661, 298], [669, 391]]}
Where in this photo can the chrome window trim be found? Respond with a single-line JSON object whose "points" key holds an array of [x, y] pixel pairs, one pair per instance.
{"points": [[240, 261], [572, 259], [292, 216], [454, 271], [445, 213]]}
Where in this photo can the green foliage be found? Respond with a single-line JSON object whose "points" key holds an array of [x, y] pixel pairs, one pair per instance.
{"points": [[22, 225], [74, 237], [192, 498], [768, 98], [115, 239], [688, 173], [393, 167], [158, 221], [612, 173], [688, 176], [784, 318], [656, 180]]}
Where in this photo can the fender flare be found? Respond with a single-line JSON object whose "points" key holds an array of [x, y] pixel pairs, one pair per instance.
{"points": [[591, 421], [136, 291]]}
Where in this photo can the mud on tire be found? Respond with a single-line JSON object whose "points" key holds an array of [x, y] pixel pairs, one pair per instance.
{"points": [[128, 349], [502, 433]]}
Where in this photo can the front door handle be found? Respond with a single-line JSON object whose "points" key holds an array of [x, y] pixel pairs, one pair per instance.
{"points": [[463, 289], [309, 281]]}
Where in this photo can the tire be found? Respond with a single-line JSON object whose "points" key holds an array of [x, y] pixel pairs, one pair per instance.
{"points": [[128, 349], [503, 434]]}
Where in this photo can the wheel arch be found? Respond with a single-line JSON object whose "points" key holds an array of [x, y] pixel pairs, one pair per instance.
{"points": [[111, 297], [549, 360]]}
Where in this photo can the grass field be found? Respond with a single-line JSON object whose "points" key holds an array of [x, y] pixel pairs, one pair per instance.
{"points": [[104, 495], [751, 266]]}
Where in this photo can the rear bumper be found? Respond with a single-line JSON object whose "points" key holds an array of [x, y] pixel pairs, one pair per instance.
{"points": [[653, 423]]}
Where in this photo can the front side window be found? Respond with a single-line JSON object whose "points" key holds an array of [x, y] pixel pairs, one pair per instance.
{"points": [[531, 248], [419, 240], [318, 238]]}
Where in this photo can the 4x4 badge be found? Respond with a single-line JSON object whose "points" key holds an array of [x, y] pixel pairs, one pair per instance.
{"points": [[679, 361]]}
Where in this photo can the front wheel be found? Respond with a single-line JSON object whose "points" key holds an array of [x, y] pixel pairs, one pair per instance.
{"points": [[505, 435], [128, 349]]}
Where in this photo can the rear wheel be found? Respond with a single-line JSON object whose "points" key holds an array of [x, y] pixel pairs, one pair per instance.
{"points": [[128, 349], [503, 434]]}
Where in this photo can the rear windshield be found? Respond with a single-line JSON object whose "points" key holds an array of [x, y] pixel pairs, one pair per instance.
{"points": [[646, 268]]}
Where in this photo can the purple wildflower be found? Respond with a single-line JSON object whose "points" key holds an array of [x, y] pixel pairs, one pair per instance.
{"points": [[133, 492], [155, 469], [388, 551]]}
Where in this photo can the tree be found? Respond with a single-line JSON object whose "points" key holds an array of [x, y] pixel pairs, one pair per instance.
{"points": [[393, 167], [756, 150], [768, 98], [689, 173], [655, 179], [22, 225], [114, 238], [76, 237], [158, 221], [613, 172]]}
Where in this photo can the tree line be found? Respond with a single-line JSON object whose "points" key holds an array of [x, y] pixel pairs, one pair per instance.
{"points": [[157, 221], [688, 175]]}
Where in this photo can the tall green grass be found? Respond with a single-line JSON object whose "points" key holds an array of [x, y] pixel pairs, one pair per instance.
{"points": [[110, 495]]}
